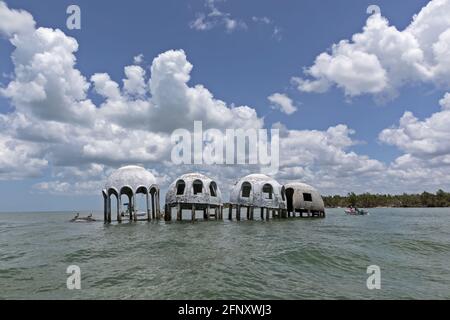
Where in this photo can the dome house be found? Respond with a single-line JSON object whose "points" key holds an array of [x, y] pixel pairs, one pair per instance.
{"points": [[194, 191], [131, 181]]}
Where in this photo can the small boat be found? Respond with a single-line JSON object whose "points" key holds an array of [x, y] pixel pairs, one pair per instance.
{"points": [[356, 212], [77, 218]]}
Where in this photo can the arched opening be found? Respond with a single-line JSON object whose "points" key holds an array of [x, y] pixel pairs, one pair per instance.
{"points": [[213, 189], [246, 189], [197, 186], [111, 207], [267, 191], [181, 186], [127, 200], [141, 202], [154, 201], [290, 199]]}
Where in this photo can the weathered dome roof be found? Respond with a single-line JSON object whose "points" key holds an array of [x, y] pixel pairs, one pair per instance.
{"points": [[132, 176], [188, 195], [256, 197], [193, 176], [258, 177], [300, 186]]}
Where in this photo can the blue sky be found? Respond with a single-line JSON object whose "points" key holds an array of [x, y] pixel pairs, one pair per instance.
{"points": [[243, 67]]}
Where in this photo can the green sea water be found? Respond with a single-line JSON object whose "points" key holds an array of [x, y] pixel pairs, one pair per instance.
{"points": [[277, 259]]}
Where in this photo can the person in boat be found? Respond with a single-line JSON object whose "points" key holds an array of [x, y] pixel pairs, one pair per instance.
{"points": [[77, 216]]}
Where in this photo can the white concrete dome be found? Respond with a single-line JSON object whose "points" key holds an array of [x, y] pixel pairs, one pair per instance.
{"points": [[130, 176], [258, 190], [194, 188], [301, 196]]}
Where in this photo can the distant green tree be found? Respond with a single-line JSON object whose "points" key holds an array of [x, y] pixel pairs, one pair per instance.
{"points": [[367, 200]]}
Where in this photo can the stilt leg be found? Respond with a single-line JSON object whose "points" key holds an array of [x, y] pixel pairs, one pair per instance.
{"points": [[179, 212]]}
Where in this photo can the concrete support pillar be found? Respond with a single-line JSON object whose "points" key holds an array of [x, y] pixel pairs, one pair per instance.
{"points": [[152, 196], [167, 212], [130, 208], [158, 213], [149, 217], [238, 213], [179, 212], [261, 213], [134, 208], [230, 212], [105, 208], [193, 213], [119, 205], [267, 213], [109, 209]]}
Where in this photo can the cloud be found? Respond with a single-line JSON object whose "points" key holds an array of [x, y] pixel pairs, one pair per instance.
{"points": [[425, 139], [325, 160], [46, 83], [381, 59], [14, 21], [169, 94], [19, 160], [283, 103], [276, 30], [264, 20], [55, 126], [138, 59], [425, 161], [214, 18]]}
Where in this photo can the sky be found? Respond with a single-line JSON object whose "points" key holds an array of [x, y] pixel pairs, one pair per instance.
{"points": [[362, 99]]}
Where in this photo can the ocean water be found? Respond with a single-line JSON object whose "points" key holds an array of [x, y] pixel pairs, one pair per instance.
{"points": [[278, 259]]}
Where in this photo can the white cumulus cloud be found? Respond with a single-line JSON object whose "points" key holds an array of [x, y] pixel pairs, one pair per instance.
{"points": [[283, 103], [381, 59]]}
